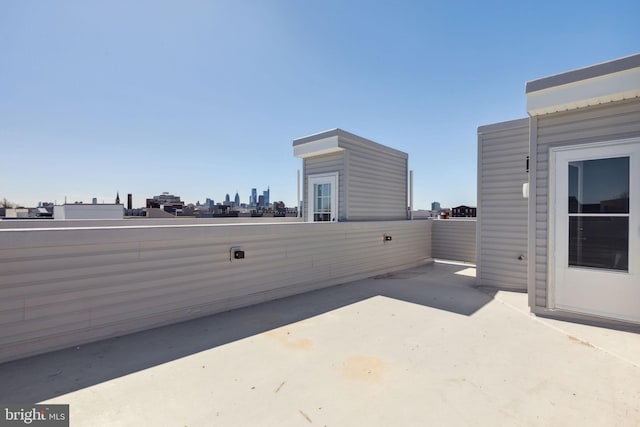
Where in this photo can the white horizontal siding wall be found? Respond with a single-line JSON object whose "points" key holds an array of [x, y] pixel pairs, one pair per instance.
{"points": [[376, 183], [334, 162], [67, 286], [454, 239], [606, 122], [502, 210], [141, 221]]}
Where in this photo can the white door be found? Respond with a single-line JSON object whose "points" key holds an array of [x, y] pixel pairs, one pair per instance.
{"points": [[595, 229], [322, 194]]}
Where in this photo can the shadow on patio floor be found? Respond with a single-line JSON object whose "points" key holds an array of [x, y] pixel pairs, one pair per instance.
{"points": [[34, 379]]}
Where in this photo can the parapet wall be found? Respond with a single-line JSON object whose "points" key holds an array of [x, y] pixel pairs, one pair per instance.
{"points": [[455, 239], [67, 286]]}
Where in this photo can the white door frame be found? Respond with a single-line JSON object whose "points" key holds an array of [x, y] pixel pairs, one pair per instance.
{"points": [[322, 178], [585, 283]]}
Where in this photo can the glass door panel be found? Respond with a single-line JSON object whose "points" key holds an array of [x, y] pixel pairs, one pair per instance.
{"points": [[598, 213]]}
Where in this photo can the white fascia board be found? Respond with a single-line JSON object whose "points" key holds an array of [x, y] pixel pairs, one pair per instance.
{"points": [[594, 91], [316, 148]]}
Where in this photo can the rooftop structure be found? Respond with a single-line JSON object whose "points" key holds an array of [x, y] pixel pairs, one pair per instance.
{"points": [[347, 177], [562, 180]]}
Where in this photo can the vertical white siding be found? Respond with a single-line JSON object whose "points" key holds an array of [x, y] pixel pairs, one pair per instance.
{"points": [[502, 210], [65, 286], [601, 123], [454, 239]]}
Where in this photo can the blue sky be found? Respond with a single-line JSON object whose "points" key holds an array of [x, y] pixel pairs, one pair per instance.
{"points": [[204, 98]]}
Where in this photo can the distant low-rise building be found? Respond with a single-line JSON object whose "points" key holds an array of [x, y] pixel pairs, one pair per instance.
{"points": [[88, 211], [425, 214], [17, 213], [463, 211], [44, 212], [166, 202]]}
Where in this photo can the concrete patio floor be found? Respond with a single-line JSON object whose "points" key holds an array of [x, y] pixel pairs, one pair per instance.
{"points": [[416, 348]]}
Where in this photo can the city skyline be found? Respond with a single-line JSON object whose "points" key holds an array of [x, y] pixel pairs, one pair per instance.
{"points": [[204, 97], [116, 199]]}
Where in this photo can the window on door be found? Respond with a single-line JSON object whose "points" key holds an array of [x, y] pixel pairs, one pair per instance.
{"points": [[599, 213], [322, 192], [322, 202]]}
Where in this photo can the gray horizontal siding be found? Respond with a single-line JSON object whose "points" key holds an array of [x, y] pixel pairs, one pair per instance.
{"points": [[454, 240], [600, 123], [63, 287], [502, 211], [376, 187], [327, 163]]}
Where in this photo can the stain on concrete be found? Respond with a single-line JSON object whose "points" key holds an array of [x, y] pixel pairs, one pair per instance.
{"points": [[286, 338], [365, 368]]}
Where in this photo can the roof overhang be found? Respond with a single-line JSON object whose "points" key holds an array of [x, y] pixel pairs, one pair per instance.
{"points": [[612, 81], [337, 140], [317, 147]]}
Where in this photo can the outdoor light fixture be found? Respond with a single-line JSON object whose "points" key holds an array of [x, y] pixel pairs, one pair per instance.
{"points": [[387, 237], [236, 253]]}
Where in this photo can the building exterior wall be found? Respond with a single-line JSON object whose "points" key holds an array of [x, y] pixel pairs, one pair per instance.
{"points": [[617, 120], [66, 286], [376, 182], [334, 162], [502, 210], [82, 211], [454, 239], [17, 213]]}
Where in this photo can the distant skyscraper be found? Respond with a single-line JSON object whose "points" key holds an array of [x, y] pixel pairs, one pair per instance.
{"points": [[118, 198], [260, 200], [253, 200], [227, 199], [266, 197], [129, 201], [94, 201], [435, 206], [237, 199]]}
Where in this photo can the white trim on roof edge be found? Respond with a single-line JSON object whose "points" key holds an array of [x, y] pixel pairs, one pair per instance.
{"points": [[316, 148], [594, 91]]}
